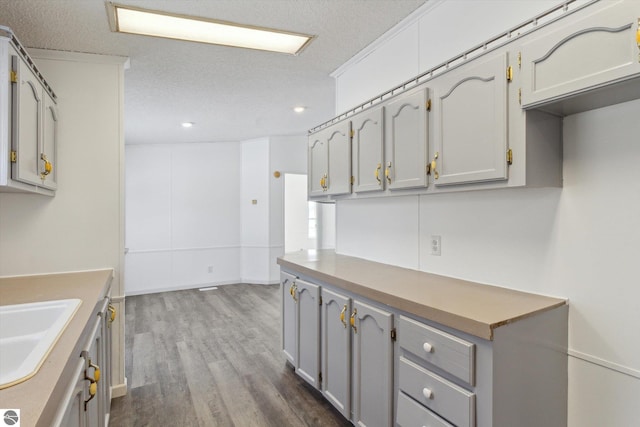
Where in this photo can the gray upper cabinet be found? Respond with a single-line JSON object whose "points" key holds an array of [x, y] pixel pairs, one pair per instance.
{"points": [[470, 123], [29, 122], [368, 151], [406, 137], [48, 152], [598, 49], [318, 154], [329, 158]]}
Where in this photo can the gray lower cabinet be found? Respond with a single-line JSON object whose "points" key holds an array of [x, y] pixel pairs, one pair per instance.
{"points": [[301, 326], [289, 321], [336, 350], [357, 359], [372, 365], [87, 400]]}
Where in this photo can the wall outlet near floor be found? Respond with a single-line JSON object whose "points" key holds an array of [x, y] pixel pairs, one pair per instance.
{"points": [[210, 269], [435, 245]]}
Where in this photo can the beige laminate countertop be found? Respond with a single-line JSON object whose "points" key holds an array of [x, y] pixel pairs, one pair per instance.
{"points": [[38, 397], [470, 307]]}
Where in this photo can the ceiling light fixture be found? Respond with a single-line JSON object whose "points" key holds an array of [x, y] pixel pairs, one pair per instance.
{"points": [[187, 124], [299, 109], [132, 20]]}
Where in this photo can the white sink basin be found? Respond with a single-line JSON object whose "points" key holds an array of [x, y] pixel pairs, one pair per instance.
{"points": [[28, 332]]}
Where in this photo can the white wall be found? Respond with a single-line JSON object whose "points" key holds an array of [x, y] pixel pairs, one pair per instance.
{"points": [[189, 207], [182, 216], [581, 242], [81, 228], [255, 217]]}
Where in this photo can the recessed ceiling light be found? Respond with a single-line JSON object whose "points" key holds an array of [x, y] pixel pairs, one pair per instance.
{"points": [[187, 124], [299, 109], [126, 19]]}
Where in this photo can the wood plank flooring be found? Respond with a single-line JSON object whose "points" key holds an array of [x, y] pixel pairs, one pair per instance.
{"points": [[213, 358]]}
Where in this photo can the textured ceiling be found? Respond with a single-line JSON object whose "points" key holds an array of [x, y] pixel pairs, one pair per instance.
{"points": [[231, 94]]}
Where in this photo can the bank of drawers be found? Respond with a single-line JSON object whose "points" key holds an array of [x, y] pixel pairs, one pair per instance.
{"points": [[425, 397]]}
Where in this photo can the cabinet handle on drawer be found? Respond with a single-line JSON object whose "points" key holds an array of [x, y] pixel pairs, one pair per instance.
{"points": [[344, 309], [427, 347], [353, 320], [428, 394]]}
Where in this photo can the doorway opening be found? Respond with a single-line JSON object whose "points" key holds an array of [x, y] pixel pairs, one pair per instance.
{"points": [[307, 225]]}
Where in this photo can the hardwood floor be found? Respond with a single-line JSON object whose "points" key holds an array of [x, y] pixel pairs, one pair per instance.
{"points": [[213, 358]]}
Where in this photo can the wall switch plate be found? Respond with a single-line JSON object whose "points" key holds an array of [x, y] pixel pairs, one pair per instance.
{"points": [[435, 245], [210, 269]]}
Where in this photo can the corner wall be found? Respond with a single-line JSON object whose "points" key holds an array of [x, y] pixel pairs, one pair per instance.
{"points": [[581, 242], [82, 227]]}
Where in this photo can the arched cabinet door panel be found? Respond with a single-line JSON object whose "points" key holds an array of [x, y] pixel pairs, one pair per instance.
{"points": [[368, 151], [26, 127], [308, 310], [372, 365], [406, 136], [597, 50], [471, 124], [336, 350]]}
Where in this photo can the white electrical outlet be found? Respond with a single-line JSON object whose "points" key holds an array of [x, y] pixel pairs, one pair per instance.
{"points": [[435, 245], [210, 269]]}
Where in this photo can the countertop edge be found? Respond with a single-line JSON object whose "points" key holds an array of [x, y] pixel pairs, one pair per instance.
{"points": [[475, 327], [39, 397]]}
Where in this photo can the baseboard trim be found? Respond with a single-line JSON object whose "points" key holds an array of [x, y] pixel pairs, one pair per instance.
{"points": [[119, 390], [605, 363]]}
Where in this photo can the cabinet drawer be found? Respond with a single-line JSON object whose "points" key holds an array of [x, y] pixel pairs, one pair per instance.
{"points": [[412, 414], [448, 400], [447, 352]]}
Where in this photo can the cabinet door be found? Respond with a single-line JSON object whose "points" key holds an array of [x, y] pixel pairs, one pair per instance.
{"points": [[407, 139], [318, 155], [72, 413], [48, 166], [289, 321], [94, 406], [600, 48], [372, 366], [470, 119], [368, 148], [339, 145], [26, 110], [308, 311], [336, 351]]}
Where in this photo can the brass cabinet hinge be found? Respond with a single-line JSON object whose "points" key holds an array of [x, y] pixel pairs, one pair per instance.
{"points": [[320, 377], [353, 179], [509, 156], [520, 95], [393, 334], [509, 73], [352, 133], [519, 60], [320, 300], [14, 156], [429, 104], [14, 77]]}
